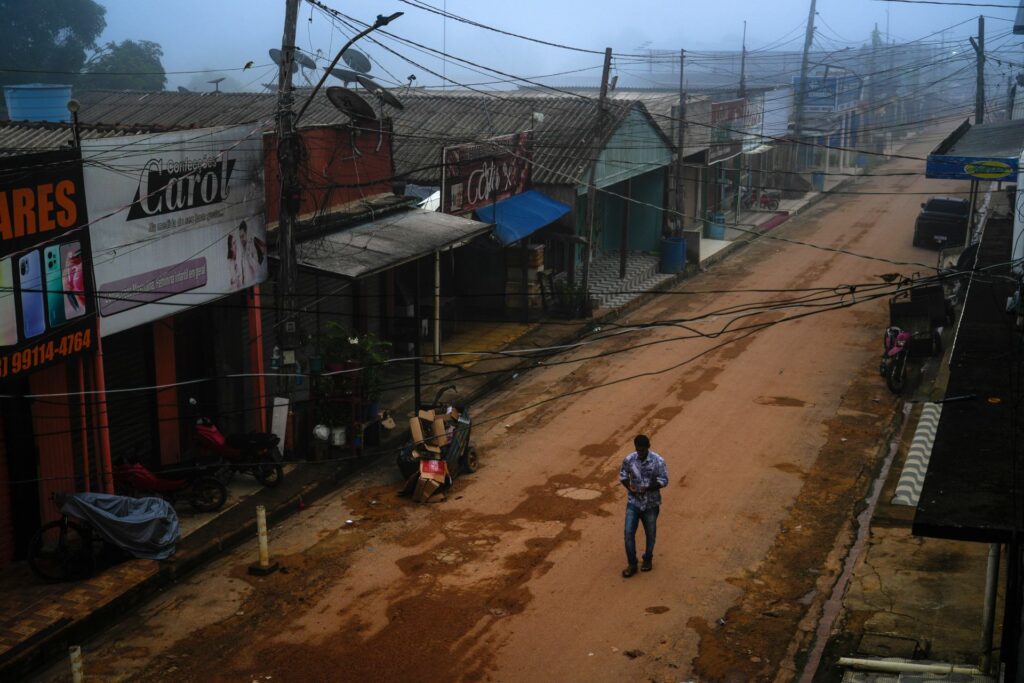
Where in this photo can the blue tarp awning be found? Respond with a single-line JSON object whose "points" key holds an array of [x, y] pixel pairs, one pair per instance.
{"points": [[521, 215]]}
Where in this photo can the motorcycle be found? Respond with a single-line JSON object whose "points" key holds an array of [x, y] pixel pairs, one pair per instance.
{"points": [[439, 451], [758, 199], [255, 453], [205, 493], [893, 366]]}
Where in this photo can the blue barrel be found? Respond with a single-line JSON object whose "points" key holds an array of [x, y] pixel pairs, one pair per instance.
{"points": [[673, 255], [38, 102], [715, 229]]}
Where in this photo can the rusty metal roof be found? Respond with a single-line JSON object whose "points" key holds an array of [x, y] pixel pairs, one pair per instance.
{"points": [[563, 135]]}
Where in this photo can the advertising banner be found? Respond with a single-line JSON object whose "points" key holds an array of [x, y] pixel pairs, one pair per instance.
{"points": [[180, 221], [46, 302], [481, 173], [726, 132], [835, 93]]}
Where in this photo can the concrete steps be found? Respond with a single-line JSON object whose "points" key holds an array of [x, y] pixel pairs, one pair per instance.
{"points": [[608, 291]]}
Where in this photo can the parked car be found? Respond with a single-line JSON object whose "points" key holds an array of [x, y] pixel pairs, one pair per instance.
{"points": [[942, 222]]}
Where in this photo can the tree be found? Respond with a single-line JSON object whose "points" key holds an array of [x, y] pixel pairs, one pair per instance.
{"points": [[47, 40], [129, 65]]}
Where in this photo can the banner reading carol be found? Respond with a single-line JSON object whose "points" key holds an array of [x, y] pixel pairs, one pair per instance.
{"points": [[183, 220]]}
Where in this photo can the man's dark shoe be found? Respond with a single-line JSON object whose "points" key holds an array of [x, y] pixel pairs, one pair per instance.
{"points": [[646, 566], [629, 571]]}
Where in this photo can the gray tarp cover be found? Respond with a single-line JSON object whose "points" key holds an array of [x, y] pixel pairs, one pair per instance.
{"points": [[145, 527]]}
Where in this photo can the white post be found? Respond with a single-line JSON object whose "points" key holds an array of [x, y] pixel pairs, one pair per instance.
{"points": [[77, 673], [264, 566], [261, 531]]}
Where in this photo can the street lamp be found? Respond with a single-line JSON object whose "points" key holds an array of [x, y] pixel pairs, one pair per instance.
{"points": [[381, 21]]}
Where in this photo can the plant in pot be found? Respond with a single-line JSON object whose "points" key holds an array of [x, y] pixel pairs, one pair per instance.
{"points": [[354, 364], [569, 299]]}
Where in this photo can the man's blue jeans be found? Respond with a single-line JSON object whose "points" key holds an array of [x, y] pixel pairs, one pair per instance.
{"points": [[634, 517]]}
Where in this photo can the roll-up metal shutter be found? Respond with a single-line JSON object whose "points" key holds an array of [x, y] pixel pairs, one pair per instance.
{"points": [[128, 364]]}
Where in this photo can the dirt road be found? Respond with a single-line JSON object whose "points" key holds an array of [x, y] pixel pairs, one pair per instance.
{"points": [[771, 438]]}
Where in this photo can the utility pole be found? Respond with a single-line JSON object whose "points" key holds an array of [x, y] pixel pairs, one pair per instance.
{"points": [[743, 64], [801, 88], [591, 190], [287, 161], [979, 50], [680, 204]]}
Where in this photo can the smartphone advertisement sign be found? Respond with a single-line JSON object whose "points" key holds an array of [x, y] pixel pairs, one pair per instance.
{"points": [[180, 221], [46, 302]]}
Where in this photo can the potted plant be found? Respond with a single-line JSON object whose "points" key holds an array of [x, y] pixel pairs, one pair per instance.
{"points": [[365, 354]]}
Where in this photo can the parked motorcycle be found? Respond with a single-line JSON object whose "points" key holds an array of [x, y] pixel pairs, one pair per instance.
{"points": [[255, 453], [759, 199], [205, 493], [439, 450], [893, 366]]}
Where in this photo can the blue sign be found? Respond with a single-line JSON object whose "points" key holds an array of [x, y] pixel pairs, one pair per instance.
{"points": [[971, 168]]}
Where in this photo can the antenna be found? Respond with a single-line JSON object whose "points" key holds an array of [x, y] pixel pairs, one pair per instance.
{"points": [[216, 83], [304, 60], [346, 76], [350, 104], [382, 95], [357, 60], [275, 55]]}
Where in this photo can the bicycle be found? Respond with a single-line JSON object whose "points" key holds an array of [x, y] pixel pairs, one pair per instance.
{"points": [[64, 549]]}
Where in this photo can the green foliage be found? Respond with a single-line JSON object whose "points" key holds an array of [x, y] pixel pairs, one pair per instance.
{"points": [[341, 347], [47, 40], [130, 65]]}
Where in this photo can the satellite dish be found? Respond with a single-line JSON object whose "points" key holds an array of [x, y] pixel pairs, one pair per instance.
{"points": [[357, 60], [382, 94], [345, 75], [304, 60], [182, 88], [350, 104], [275, 55]]}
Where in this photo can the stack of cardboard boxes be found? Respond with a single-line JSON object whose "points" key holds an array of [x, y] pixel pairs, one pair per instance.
{"points": [[514, 295]]}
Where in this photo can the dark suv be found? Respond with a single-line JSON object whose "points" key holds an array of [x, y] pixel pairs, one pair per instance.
{"points": [[942, 222]]}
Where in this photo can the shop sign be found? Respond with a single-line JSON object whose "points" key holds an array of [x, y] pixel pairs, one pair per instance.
{"points": [[46, 304], [481, 173], [182, 220]]}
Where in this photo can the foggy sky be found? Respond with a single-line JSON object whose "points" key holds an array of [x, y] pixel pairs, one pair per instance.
{"points": [[225, 34]]}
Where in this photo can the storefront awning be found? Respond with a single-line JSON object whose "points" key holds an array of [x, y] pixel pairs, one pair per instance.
{"points": [[988, 151], [387, 242], [521, 215]]}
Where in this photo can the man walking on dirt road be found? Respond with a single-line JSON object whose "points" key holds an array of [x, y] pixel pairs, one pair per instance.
{"points": [[644, 474]]}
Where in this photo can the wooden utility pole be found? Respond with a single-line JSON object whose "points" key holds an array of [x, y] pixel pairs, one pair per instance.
{"points": [[680, 203], [743, 65], [287, 160], [979, 50], [801, 88], [591, 189]]}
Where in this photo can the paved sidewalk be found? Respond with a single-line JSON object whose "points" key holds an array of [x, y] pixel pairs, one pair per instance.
{"points": [[40, 621]]}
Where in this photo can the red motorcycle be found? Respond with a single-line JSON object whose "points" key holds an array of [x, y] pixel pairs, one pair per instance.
{"points": [[205, 492], [760, 199], [255, 453]]}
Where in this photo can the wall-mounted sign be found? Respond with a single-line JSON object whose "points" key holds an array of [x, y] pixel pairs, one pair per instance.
{"points": [[969, 168], [988, 170], [46, 302], [481, 173], [181, 220]]}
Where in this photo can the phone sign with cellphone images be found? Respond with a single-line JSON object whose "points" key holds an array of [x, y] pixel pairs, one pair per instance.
{"points": [[46, 300]]}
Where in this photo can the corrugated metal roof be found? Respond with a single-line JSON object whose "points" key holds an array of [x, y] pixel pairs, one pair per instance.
{"points": [[387, 242], [25, 138], [562, 141]]}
